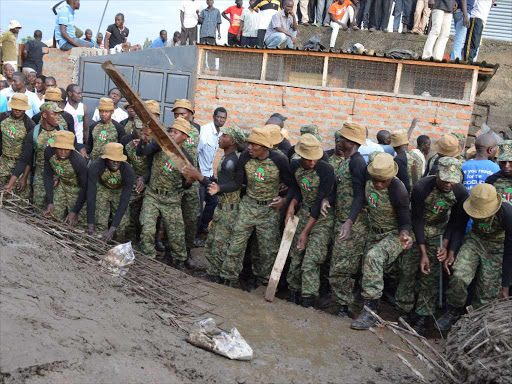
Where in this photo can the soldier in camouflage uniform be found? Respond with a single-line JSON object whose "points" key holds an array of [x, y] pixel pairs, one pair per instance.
{"points": [[389, 235], [275, 137], [109, 185], [129, 122], [14, 127], [502, 180], [335, 154], [65, 180], [312, 129], [351, 223], [104, 131], [409, 163], [485, 255], [308, 251], [261, 170], [447, 145], [140, 165], [163, 196], [434, 199], [226, 212]]}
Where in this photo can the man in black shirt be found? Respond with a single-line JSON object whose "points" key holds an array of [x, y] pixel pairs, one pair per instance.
{"points": [[33, 54], [109, 186], [278, 119], [409, 164], [117, 35]]}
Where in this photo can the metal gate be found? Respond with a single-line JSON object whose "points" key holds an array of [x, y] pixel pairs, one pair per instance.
{"points": [[161, 74]]}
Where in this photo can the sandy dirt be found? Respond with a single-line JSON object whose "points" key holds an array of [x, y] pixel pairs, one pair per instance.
{"points": [[63, 322]]}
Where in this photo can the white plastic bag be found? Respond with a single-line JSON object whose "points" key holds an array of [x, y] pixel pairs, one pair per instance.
{"points": [[118, 258], [232, 345]]}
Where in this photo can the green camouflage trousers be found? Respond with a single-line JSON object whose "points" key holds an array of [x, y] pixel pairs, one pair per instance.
{"points": [[134, 208], [304, 273], [266, 222], [23, 194], [64, 200], [217, 244], [107, 201], [479, 258], [153, 206], [39, 191], [383, 251], [346, 259], [191, 210], [409, 271]]}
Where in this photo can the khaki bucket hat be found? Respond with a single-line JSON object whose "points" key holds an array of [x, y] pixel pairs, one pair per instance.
{"points": [[114, 152], [259, 136], [399, 138], [275, 133], [285, 133], [64, 140], [181, 125], [53, 94], [353, 132], [106, 104], [448, 145], [383, 167], [183, 103], [308, 147], [449, 169], [153, 106], [505, 149], [19, 101], [483, 201]]}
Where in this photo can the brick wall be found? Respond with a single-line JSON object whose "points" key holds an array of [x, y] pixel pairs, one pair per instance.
{"points": [[249, 105]]}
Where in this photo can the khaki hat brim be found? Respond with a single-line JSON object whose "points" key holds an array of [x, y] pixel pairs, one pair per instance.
{"points": [[179, 106], [256, 141], [280, 140], [374, 175], [353, 138], [63, 146], [317, 154], [25, 108], [479, 213], [454, 153], [181, 130], [398, 143], [114, 158]]}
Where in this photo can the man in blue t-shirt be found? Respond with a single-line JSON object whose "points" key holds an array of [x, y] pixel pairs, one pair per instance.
{"points": [[477, 170], [65, 27]]}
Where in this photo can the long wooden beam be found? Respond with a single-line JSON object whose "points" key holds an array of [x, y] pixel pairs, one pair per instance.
{"points": [[158, 131]]}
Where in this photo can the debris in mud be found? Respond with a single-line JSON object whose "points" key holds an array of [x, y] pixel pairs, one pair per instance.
{"points": [[232, 345], [118, 259]]}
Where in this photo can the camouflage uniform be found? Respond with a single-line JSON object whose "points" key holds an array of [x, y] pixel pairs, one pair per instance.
{"points": [[311, 129], [304, 272], [102, 134], [190, 204], [347, 254], [108, 195], [13, 134], [414, 167], [128, 128], [163, 197], [504, 187], [384, 244]]}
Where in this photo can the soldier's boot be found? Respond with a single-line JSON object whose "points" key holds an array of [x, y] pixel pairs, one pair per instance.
{"points": [[188, 263], [251, 285], [366, 319], [180, 264], [445, 322], [159, 245], [410, 318], [294, 297], [308, 301], [421, 325], [215, 279], [233, 284], [325, 300], [343, 312]]}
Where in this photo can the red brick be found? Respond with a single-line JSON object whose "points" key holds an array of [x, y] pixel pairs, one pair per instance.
{"points": [[446, 114], [354, 95], [383, 115], [365, 113], [338, 94], [362, 105], [296, 90], [263, 86], [413, 110], [403, 101], [371, 97], [391, 108], [299, 98], [420, 102], [387, 99], [373, 122], [378, 106], [454, 106], [463, 116]]}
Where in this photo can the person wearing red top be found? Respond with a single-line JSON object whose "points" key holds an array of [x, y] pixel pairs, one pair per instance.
{"points": [[341, 12], [235, 13]]}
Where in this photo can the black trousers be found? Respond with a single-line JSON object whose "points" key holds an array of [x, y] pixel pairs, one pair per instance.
{"points": [[381, 12], [473, 38], [232, 39], [248, 41], [261, 37]]}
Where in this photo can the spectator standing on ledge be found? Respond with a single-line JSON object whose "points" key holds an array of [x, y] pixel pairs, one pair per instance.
{"points": [[479, 13], [9, 40], [321, 6], [189, 17], [267, 9], [33, 54], [283, 27], [210, 19], [235, 14], [248, 27], [341, 13], [403, 11], [421, 15], [460, 24], [117, 35], [175, 40], [161, 41], [65, 28]]}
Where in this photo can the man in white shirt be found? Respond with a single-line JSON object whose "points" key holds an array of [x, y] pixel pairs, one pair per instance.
{"points": [[422, 149], [189, 12], [208, 145], [477, 20], [78, 110], [19, 80], [119, 114]]}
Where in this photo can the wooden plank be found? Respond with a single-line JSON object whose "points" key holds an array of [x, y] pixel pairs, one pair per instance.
{"points": [[397, 78], [324, 72], [286, 242], [264, 67], [474, 85], [158, 130]]}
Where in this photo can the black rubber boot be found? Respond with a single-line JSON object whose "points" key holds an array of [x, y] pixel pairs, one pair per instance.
{"points": [[214, 279], [294, 297], [233, 284], [421, 325], [251, 285], [445, 322], [325, 301], [410, 318], [308, 301], [365, 319], [159, 246], [180, 264], [343, 312]]}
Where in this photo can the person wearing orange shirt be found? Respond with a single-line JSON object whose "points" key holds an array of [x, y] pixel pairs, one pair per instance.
{"points": [[235, 13], [341, 12]]}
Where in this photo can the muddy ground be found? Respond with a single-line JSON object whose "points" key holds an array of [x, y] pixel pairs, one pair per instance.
{"points": [[63, 322]]}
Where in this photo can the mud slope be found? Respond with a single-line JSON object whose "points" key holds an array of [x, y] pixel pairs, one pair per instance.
{"points": [[62, 322]]}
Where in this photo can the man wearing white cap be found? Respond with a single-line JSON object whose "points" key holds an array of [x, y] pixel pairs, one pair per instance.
{"points": [[9, 40]]}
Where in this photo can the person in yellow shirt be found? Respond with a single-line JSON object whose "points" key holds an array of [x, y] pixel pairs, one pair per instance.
{"points": [[9, 40]]}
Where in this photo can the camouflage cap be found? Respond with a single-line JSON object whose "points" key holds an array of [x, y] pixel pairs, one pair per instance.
{"points": [[137, 123], [51, 106], [311, 129], [505, 151], [450, 170], [459, 136], [337, 134], [235, 132]]}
